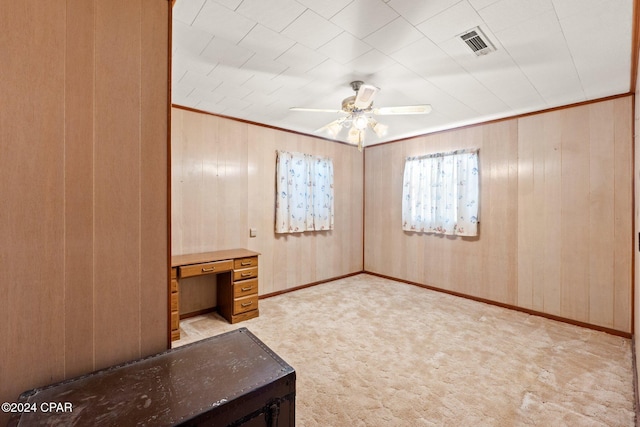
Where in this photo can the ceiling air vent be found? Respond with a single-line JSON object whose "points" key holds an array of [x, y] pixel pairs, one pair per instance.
{"points": [[477, 41]]}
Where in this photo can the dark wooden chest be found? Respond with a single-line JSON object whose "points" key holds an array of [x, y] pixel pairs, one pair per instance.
{"points": [[232, 379]]}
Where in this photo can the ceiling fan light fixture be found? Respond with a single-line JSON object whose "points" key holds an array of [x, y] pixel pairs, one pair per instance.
{"points": [[357, 109], [360, 122], [334, 128], [379, 129], [354, 136]]}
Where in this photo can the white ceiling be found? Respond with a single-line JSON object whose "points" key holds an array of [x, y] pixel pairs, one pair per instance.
{"points": [[253, 59]]}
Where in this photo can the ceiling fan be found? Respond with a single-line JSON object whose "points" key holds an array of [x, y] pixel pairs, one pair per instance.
{"points": [[358, 109]]}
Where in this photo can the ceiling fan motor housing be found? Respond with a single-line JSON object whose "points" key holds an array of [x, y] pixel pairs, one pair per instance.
{"points": [[349, 104]]}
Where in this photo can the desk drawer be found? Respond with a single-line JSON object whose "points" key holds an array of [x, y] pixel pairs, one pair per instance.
{"points": [[244, 304], [248, 273], [174, 302], [175, 321], [244, 288], [205, 268], [245, 262]]}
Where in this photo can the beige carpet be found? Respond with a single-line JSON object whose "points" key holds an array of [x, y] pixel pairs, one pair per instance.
{"points": [[375, 352]]}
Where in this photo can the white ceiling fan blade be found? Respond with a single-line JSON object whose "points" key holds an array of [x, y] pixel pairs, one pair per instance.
{"points": [[406, 109], [315, 110], [365, 96]]}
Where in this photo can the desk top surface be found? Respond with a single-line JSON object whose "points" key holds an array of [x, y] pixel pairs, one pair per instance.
{"points": [[165, 389], [187, 259]]}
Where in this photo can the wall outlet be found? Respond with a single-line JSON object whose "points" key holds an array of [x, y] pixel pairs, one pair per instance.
{"points": [[253, 232]]}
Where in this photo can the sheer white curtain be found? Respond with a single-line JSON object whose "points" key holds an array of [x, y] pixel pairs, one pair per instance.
{"points": [[304, 192], [440, 193]]}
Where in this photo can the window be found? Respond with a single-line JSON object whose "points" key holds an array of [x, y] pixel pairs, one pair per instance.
{"points": [[304, 193], [440, 193]]}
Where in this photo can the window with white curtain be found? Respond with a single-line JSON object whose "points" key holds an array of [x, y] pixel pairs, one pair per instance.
{"points": [[304, 192], [440, 193]]}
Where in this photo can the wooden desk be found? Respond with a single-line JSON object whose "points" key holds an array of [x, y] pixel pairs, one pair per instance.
{"points": [[232, 379], [237, 290]]}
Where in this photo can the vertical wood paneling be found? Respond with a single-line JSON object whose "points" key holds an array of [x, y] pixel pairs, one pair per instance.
{"points": [[551, 246], [154, 154], [232, 174], [372, 200], [210, 169], [538, 223], [526, 213], [575, 214], [261, 199], [623, 219], [538, 213], [449, 263], [32, 194], [498, 222], [554, 219], [602, 190], [79, 101], [242, 197], [635, 315], [74, 113], [117, 181]]}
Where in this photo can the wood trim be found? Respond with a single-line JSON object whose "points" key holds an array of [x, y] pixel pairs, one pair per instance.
{"points": [[169, 85], [364, 204], [235, 119], [308, 285], [634, 370], [635, 46], [461, 295], [508, 306], [517, 116], [634, 202]]}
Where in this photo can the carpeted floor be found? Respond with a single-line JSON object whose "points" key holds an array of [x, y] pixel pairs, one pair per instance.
{"points": [[374, 352]]}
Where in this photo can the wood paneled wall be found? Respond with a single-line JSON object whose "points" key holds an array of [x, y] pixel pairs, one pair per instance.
{"points": [[223, 184], [83, 166], [555, 218], [636, 231]]}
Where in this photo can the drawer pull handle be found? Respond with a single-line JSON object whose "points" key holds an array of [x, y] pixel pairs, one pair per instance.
{"points": [[245, 274], [207, 270], [247, 288], [245, 263], [246, 304]]}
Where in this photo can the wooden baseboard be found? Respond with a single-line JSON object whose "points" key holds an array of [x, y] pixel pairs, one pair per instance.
{"points": [[308, 285], [433, 288], [634, 369], [509, 306], [272, 294]]}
